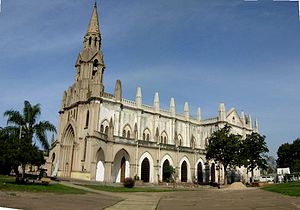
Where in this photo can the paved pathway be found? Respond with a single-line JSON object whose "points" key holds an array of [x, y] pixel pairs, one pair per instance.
{"points": [[247, 199], [141, 201], [250, 198]]}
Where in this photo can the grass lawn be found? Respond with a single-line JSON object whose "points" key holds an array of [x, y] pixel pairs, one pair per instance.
{"points": [[134, 189], [7, 183], [290, 188]]}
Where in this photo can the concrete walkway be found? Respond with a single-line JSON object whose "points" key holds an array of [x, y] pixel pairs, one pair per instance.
{"points": [[142, 201]]}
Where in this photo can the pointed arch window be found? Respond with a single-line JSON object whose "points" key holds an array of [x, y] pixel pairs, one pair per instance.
{"points": [[128, 134], [87, 119], [127, 131], [146, 135], [164, 137], [95, 67], [90, 41], [106, 130], [84, 151], [104, 127]]}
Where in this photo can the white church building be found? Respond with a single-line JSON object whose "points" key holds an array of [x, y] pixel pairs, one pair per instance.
{"points": [[105, 137]]}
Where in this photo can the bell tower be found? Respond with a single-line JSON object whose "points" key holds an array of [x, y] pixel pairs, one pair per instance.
{"points": [[89, 64], [80, 107]]}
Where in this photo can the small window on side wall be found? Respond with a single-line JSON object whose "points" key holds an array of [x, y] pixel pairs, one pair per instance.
{"points": [[87, 119]]}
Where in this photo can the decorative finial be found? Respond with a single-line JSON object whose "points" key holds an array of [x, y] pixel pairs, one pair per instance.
{"points": [[95, 4]]}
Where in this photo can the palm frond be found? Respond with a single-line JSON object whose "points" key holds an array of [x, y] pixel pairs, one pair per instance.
{"points": [[31, 113], [42, 138], [41, 129], [14, 118]]}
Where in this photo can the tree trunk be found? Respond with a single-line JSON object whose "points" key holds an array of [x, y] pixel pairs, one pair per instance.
{"points": [[23, 172], [17, 174]]}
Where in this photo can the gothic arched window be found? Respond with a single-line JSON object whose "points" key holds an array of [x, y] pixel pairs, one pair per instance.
{"points": [[128, 134], [95, 67], [146, 135], [90, 41], [87, 119], [164, 137]]}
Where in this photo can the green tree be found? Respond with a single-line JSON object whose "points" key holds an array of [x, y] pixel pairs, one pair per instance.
{"points": [[224, 148], [9, 144], [170, 172], [253, 152], [289, 156], [284, 156], [30, 129]]}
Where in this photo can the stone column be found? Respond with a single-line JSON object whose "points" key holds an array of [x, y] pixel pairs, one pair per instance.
{"points": [[108, 174]]}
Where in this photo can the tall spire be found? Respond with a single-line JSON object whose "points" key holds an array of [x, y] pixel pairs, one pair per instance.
{"points": [[94, 22], [92, 38]]}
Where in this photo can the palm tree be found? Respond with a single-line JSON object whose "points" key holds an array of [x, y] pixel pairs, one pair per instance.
{"points": [[29, 126]]}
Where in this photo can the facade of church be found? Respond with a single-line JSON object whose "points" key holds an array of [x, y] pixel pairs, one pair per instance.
{"points": [[104, 137]]}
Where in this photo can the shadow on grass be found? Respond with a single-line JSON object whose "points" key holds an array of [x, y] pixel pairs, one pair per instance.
{"points": [[7, 183]]}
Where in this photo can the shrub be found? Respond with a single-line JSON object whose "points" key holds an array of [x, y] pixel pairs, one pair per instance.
{"points": [[129, 182]]}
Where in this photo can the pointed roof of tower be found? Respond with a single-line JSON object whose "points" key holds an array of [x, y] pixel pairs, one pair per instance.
{"points": [[94, 22]]}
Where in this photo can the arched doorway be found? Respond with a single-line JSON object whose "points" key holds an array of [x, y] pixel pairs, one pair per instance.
{"points": [[100, 171], [213, 173], [123, 163], [145, 170], [100, 168], [183, 172], [121, 166], [199, 173], [166, 171], [67, 151]]}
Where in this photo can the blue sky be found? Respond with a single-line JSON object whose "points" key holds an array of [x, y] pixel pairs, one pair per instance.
{"points": [[245, 54]]}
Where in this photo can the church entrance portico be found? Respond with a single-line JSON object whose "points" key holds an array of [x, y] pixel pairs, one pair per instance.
{"points": [[67, 148], [121, 168]]}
